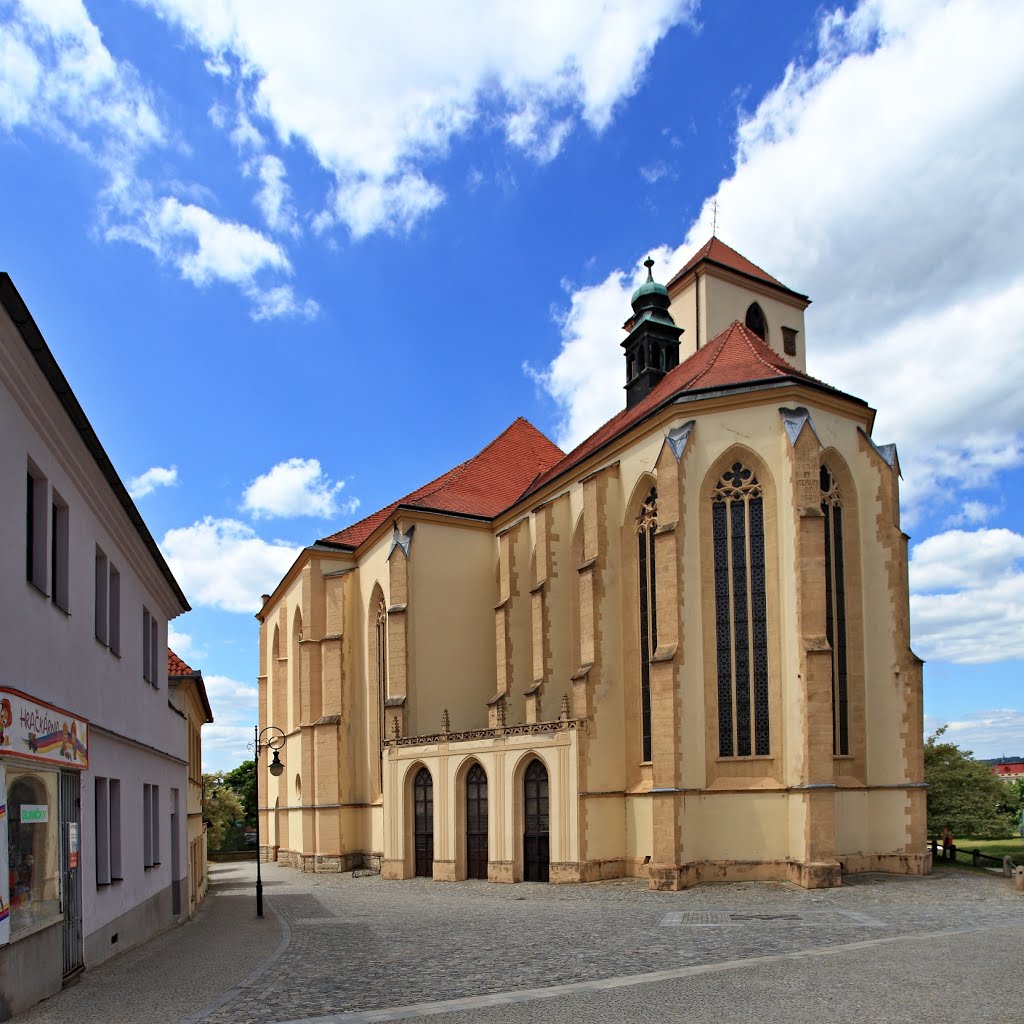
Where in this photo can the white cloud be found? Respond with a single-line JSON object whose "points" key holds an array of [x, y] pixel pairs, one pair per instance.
{"points": [[235, 708], [967, 596], [158, 476], [972, 513], [224, 564], [915, 311], [274, 196], [213, 248], [58, 78], [271, 303], [185, 647], [313, 72], [994, 733], [296, 487]]}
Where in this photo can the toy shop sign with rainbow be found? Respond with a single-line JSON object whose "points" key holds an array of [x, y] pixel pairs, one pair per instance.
{"points": [[42, 732]]}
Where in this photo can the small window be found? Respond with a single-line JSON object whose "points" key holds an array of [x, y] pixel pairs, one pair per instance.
{"points": [[114, 612], [102, 575], [155, 826], [147, 825], [102, 791], [114, 807], [146, 633], [154, 648], [59, 552], [36, 529], [789, 340], [756, 321]]}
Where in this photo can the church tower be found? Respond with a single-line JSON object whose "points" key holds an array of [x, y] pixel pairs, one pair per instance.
{"points": [[652, 348]]}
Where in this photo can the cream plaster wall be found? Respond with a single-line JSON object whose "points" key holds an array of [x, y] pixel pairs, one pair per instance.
{"points": [[451, 602]]}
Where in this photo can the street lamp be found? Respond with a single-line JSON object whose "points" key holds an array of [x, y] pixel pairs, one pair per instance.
{"points": [[273, 739]]}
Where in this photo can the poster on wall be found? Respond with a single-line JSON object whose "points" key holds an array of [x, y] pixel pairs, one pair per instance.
{"points": [[42, 732], [5, 896]]}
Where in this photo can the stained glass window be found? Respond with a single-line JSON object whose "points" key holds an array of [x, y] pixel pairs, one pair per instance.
{"points": [[647, 523], [741, 618], [835, 610]]}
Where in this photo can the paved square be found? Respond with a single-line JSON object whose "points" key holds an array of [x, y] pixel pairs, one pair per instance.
{"points": [[335, 948]]}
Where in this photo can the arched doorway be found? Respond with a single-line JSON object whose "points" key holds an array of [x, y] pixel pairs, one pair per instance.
{"points": [[476, 823], [535, 816], [423, 820]]}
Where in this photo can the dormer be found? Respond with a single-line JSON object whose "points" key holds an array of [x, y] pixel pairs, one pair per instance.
{"points": [[718, 286]]}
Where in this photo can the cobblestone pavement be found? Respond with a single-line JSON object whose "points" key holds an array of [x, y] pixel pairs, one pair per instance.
{"points": [[361, 950]]}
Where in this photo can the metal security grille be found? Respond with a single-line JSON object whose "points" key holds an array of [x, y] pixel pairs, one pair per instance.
{"points": [[70, 871], [835, 610], [423, 804], [476, 823], [535, 835], [647, 523], [741, 616]]}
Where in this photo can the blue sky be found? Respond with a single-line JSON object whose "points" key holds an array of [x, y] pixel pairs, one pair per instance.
{"points": [[236, 223]]}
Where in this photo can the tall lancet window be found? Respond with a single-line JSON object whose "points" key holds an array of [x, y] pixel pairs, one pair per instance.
{"points": [[382, 678], [741, 618], [646, 524], [835, 610]]}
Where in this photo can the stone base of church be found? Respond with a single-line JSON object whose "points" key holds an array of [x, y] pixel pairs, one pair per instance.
{"points": [[323, 863], [892, 863], [672, 877]]}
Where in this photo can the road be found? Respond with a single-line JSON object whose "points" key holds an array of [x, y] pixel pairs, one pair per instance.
{"points": [[334, 948]]}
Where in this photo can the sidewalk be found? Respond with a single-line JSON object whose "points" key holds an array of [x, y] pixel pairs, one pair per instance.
{"points": [[181, 975]]}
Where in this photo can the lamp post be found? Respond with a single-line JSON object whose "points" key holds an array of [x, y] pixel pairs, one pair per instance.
{"points": [[273, 739]]}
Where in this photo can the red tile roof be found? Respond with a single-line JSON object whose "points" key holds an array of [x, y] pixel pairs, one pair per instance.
{"points": [[483, 486], [716, 251], [736, 356], [176, 667]]}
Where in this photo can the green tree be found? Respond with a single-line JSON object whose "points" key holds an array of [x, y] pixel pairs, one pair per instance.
{"points": [[223, 810], [243, 781], [963, 793]]}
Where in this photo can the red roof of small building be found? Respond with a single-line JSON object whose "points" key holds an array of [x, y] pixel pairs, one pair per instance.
{"points": [[716, 251], [734, 357], [176, 667], [483, 486]]}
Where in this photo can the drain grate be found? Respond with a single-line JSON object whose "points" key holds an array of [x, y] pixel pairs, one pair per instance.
{"points": [[740, 918]]}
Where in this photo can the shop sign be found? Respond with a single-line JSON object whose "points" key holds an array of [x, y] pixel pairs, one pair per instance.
{"points": [[40, 731], [34, 814], [73, 844]]}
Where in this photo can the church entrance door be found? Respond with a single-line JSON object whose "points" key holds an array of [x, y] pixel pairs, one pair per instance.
{"points": [[423, 814], [535, 835], [476, 823]]}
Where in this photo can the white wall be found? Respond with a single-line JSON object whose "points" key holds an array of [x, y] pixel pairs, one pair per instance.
{"points": [[54, 655]]}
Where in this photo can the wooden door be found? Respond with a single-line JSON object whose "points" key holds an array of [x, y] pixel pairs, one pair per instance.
{"points": [[535, 833], [476, 823], [423, 812]]}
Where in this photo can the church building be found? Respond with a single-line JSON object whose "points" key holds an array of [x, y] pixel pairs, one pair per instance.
{"points": [[679, 652]]}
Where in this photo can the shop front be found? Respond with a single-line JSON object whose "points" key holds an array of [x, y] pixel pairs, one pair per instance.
{"points": [[43, 751]]}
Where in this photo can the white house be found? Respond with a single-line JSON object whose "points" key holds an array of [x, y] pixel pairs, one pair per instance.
{"points": [[93, 759]]}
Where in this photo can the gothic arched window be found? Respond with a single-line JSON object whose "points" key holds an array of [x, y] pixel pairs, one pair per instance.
{"points": [[382, 676], [741, 619], [646, 524], [756, 321], [835, 610]]}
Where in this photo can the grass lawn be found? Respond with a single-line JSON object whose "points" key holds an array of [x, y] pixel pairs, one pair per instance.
{"points": [[1013, 847]]}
